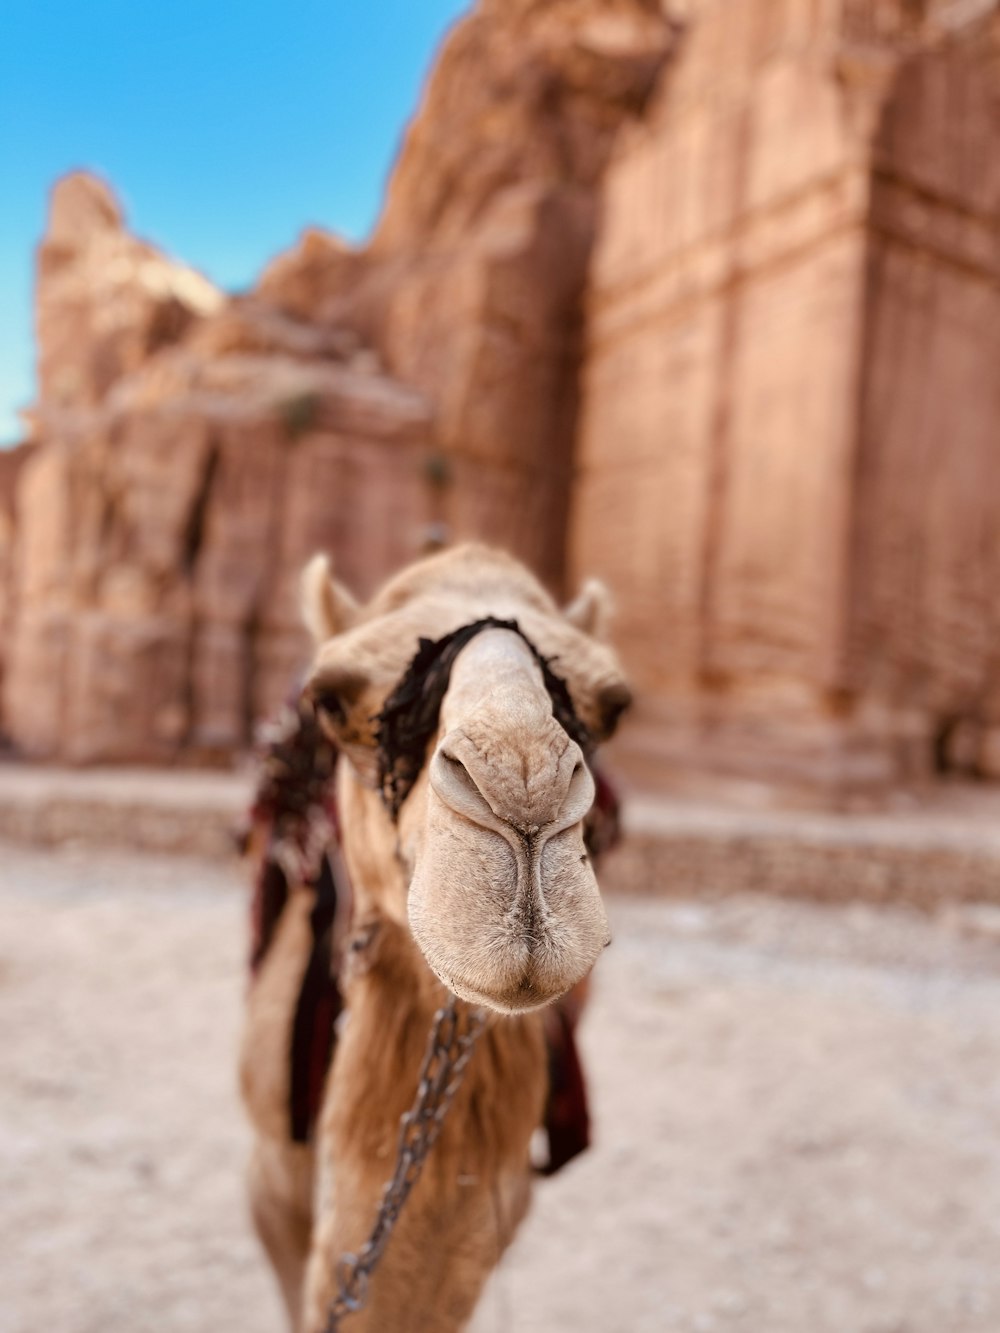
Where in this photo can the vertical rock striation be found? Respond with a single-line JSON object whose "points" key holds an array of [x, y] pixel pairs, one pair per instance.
{"points": [[706, 302], [191, 451], [471, 288], [790, 403]]}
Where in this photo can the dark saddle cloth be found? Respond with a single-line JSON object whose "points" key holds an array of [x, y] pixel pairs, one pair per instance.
{"points": [[294, 836]]}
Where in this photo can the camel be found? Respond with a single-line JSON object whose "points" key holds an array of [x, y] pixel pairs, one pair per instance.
{"points": [[470, 877]]}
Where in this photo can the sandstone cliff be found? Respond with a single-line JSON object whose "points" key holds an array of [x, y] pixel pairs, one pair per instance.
{"points": [[471, 288], [192, 449], [706, 303], [789, 450]]}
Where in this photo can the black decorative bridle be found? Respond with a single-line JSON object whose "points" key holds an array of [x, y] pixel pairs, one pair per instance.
{"points": [[408, 721]]}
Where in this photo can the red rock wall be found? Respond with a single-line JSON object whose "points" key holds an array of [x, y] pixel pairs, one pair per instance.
{"points": [[754, 461], [165, 512], [471, 288], [724, 333], [710, 312], [194, 450], [159, 549], [11, 463], [926, 557]]}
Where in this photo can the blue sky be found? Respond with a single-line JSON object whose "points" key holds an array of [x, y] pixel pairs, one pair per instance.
{"points": [[224, 127]]}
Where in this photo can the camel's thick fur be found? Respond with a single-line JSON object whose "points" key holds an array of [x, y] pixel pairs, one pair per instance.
{"points": [[513, 847]]}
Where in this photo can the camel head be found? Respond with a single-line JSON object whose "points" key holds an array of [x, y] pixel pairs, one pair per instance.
{"points": [[465, 704]]}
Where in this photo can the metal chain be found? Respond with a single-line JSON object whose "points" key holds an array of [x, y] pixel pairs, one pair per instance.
{"points": [[449, 1050]]}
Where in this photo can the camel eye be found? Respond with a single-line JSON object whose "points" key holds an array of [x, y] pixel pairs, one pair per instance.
{"points": [[334, 693], [612, 702], [329, 708]]}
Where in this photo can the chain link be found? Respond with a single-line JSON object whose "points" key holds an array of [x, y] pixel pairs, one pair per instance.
{"points": [[449, 1050]]}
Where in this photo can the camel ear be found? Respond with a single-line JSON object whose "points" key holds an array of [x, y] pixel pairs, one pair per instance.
{"points": [[327, 607], [591, 610]]}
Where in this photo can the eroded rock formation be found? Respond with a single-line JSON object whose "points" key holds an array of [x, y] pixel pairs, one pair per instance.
{"points": [[193, 449], [471, 288], [790, 434], [705, 302], [174, 493]]}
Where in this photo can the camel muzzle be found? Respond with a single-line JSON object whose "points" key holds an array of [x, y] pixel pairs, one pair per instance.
{"points": [[410, 718]]}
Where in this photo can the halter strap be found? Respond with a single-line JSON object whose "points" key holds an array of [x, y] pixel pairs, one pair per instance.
{"points": [[409, 718]]}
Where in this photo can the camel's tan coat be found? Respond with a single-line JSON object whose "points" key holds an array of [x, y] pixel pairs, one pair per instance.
{"points": [[484, 882]]}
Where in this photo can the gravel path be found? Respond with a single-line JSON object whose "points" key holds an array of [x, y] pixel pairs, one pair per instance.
{"points": [[798, 1111]]}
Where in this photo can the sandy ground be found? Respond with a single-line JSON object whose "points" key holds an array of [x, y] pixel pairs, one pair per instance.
{"points": [[798, 1118]]}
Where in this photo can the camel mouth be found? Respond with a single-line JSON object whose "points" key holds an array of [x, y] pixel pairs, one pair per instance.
{"points": [[516, 974], [522, 997], [503, 922]]}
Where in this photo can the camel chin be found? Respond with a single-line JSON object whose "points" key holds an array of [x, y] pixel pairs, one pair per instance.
{"points": [[501, 922]]}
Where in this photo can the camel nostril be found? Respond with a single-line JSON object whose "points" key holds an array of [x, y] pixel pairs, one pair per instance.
{"points": [[456, 786], [458, 773], [505, 788], [579, 795]]}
